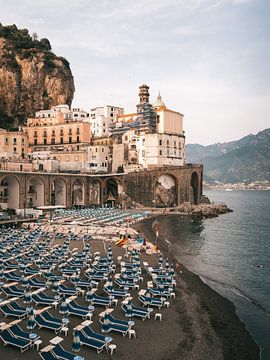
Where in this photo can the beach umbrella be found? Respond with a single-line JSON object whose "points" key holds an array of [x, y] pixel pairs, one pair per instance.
{"points": [[167, 265], [172, 270], [25, 281], [110, 285], [106, 324], [31, 320], [160, 260], [76, 342], [129, 312], [63, 309], [55, 285], [27, 296], [89, 296]]}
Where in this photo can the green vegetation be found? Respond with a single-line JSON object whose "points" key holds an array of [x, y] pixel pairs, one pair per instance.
{"points": [[21, 39]]}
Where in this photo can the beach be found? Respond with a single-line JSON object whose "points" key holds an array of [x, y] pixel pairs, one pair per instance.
{"points": [[198, 324], [215, 326]]}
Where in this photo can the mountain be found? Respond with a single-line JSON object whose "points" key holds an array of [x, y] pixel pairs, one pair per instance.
{"points": [[32, 77], [244, 160]]}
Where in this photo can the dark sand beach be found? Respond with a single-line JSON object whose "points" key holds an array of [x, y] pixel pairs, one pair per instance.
{"points": [[215, 330], [199, 323]]}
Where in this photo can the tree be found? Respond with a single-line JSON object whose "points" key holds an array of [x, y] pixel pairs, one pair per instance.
{"points": [[46, 44], [34, 36]]}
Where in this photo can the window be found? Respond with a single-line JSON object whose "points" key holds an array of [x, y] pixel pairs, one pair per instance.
{"points": [[53, 140], [14, 149], [35, 141], [53, 132], [61, 132], [143, 153], [168, 143], [14, 141], [45, 133], [160, 152], [174, 143], [45, 141], [111, 114], [78, 139], [102, 149], [6, 140], [61, 140], [69, 131], [160, 142], [158, 119], [22, 141], [78, 131], [70, 139]]}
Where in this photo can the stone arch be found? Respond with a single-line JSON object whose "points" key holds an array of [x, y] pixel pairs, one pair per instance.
{"points": [[113, 187], [59, 191], [194, 188], [35, 192], [78, 192], [165, 191], [95, 192], [9, 192]]}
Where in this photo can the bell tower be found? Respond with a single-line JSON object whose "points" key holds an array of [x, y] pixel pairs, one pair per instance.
{"points": [[143, 95]]}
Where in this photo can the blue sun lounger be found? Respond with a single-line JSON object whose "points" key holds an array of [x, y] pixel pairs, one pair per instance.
{"points": [[48, 355], [123, 329], [34, 283], [63, 354], [113, 292], [78, 310], [113, 320], [47, 316], [19, 333], [13, 291], [9, 339], [149, 301], [9, 311], [91, 342], [43, 299], [63, 290], [101, 300], [87, 331], [43, 323]]}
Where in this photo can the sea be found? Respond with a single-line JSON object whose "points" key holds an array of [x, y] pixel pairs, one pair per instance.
{"points": [[231, 253]]}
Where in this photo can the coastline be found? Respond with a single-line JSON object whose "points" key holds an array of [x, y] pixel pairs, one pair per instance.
{"points": [[213, 317]]}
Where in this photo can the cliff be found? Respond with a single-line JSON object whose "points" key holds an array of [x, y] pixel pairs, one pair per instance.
{"points": [[31, 76]]}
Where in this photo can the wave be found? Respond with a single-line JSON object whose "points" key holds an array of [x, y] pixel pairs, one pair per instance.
{"points": [[237, 292]]}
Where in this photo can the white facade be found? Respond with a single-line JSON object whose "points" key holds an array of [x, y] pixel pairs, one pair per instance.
{"points": [[80, 114], [98, 159], [100, 127], [108, 111]]}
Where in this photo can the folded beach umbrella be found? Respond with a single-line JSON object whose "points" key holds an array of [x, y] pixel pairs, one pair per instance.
{"points": [[106, 324], [160, 260], [63, 309], [129, 312], [25, 281], [31, 320], [167, 265], [110, 285], [27, 296], [76, 343], [89, 296], [172, 273], [55, 285]]}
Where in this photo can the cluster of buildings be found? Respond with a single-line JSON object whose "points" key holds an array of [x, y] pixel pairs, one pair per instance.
{"points": [[104, 140]]}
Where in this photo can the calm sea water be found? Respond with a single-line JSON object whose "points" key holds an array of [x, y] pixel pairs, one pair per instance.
{"points": [[232, 254]]}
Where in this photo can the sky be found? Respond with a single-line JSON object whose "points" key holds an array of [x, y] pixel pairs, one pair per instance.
{"points": [[208, 58]]}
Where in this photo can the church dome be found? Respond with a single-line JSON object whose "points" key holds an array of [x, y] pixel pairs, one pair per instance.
{"points": [[159, 102]]}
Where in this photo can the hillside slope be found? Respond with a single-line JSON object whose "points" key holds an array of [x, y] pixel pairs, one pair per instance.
{"points": [[32, 77]]}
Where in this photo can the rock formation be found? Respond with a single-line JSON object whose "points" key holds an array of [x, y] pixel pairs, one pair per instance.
{"points": [[31, 76]]}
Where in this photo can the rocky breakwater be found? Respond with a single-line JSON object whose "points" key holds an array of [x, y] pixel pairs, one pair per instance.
{"points": [[204, 210], [32, 77]]}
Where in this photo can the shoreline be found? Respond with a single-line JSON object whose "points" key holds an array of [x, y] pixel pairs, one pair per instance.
{"points": [[235, 340]]}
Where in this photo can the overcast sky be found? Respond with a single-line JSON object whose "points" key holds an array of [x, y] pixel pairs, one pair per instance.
{"points": [[209, 58]]}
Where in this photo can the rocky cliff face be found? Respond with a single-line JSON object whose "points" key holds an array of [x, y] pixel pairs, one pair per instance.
{"points": [[31, 76]]}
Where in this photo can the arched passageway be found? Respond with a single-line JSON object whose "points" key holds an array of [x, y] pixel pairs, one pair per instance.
{"points": [[59, 192], [113, 189], [35, 192], [95, 193], [9, 193], [165, 191], [194, 188], [78, 193]]}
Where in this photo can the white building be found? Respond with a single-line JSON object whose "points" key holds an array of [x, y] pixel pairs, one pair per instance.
{"points": [[101, 118]]}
